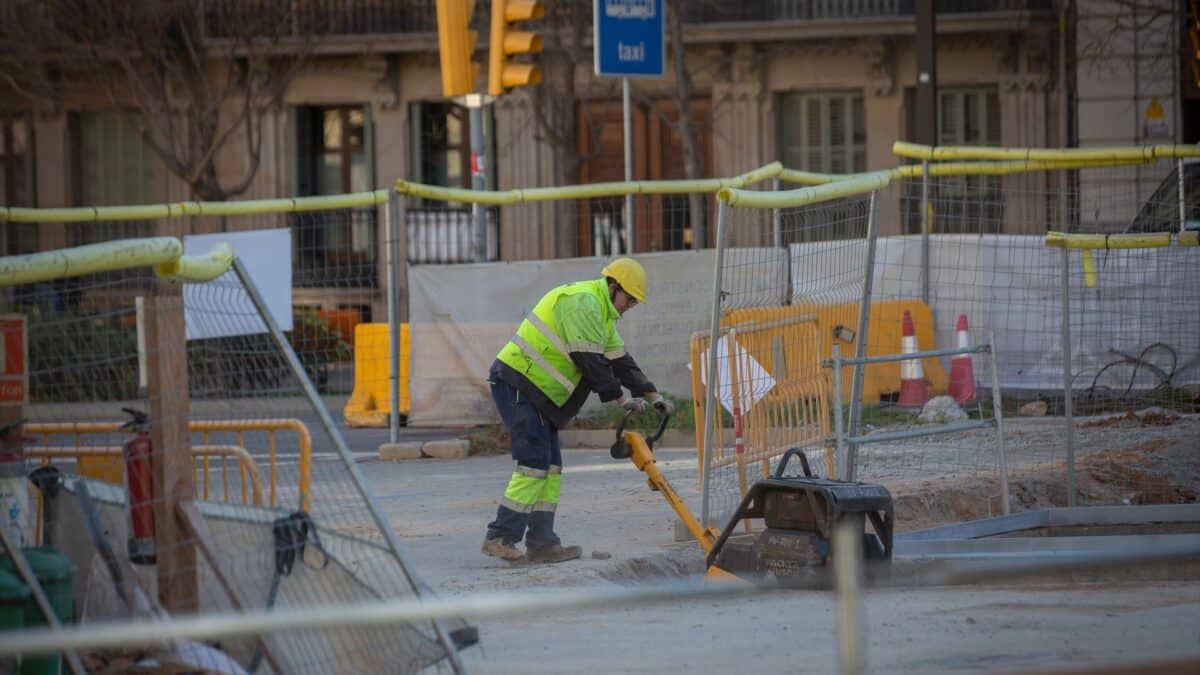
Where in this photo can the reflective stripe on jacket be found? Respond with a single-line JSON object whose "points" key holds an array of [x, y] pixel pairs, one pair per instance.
{"points": [[576, 317]]}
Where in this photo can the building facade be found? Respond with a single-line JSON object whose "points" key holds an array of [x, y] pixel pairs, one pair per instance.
{"points": [[823, 86]]}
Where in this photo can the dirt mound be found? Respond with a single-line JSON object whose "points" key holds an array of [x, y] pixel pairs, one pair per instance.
{"points": [[1153, 472]]}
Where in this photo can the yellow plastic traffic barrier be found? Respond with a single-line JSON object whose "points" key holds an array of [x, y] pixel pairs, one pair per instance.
{"points": [[371, 403], [770, 357], [203, 427], [788, 345]]}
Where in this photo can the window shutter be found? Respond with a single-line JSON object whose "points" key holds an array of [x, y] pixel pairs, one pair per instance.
{"points": [[859, 137], [949, 113], [416, 123], [300, 125], [369, 145], [812, 135], [837, 135]]}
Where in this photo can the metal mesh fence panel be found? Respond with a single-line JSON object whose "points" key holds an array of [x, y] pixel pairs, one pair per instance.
{"points": [[782, 307], [266, 473], [1132, 331]]}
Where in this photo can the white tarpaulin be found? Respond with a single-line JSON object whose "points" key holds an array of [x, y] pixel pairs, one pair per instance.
{"points": [[1012, 285], [461, 315]]}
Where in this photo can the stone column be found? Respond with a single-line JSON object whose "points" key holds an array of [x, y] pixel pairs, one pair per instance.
{"points": [[1024, 83], [743, 130], [883, 106], [527, 231]]}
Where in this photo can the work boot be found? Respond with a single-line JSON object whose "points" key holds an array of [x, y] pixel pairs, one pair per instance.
{"points": [[502, 548], [553, 554]]}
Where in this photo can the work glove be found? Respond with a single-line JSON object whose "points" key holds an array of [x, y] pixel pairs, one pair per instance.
{"points": [[663, 406], [634, 405]]}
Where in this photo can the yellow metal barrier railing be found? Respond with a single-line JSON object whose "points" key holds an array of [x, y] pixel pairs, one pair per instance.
{"points": [[248, 469], [206, 427], [91, 214], [591, 190]]}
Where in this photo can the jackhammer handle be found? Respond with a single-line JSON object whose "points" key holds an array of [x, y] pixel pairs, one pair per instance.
{"points": [[649, 441], [788, 455], [662, 426]]}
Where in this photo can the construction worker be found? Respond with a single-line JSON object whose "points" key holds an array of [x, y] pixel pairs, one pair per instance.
{"points": [[566, 348]]}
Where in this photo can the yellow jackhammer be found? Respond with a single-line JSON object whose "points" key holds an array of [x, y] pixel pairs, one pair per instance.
{"points": [[635, 446], [799, 512]]}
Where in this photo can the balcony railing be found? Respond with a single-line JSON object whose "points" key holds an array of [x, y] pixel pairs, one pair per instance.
{"points": [[359, 17], [723, 11]]}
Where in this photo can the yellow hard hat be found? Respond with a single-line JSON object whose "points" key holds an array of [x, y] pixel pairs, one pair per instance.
{"points": [[629, 273]]}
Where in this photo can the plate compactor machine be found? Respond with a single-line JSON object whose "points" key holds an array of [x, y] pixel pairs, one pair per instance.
{"points": [[799, 514]]}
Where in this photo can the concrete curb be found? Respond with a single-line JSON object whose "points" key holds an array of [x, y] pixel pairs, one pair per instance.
{"points": [[455, 448]]}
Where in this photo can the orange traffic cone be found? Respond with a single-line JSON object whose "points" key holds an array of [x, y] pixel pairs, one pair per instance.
{"points": [[962, 373], [914, 391]]}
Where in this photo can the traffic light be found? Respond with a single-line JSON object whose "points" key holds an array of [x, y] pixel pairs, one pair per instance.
{"points": [[504, 74], [456, 46]]}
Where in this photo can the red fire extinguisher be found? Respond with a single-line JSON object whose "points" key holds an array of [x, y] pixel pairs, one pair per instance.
{"points": [[138, 453]]}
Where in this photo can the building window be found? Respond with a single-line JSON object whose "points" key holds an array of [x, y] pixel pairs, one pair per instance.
{"points": [[16, 182], [959, 204], [113, 166], [440, 139], [823, 132], [333, 155], [440, 143], [968, 117]]}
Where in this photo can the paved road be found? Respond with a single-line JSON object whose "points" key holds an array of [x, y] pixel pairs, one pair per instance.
{"points": [[440, 509]]}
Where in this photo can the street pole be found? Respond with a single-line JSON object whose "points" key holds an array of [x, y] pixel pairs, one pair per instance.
{"points": [[629, 229], [475, 104], [926, 73]]}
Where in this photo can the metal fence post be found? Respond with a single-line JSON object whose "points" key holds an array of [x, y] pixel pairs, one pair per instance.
{"points": [[860, 352], [1068, 406], [712, 413], [998, 413], [392, 220], [925, 282], [838, 428], [1180, 193], [776, 219]]}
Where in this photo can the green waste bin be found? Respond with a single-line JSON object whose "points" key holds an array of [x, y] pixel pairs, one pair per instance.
{"points": [[13, 594], [56, 574]]}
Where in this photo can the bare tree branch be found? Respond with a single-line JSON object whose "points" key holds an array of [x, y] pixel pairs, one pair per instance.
{"points": [[180, 64]]}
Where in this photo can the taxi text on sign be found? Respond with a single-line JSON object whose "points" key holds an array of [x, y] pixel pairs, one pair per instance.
{"points": [[14, 379], [629, 40]]}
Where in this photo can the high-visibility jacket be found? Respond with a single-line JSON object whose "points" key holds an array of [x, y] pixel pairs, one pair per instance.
{"points": [[564, 321]]}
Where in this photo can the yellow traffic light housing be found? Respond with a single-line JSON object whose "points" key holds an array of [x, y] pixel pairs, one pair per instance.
{"points": [[456, 46], [503, 73]]}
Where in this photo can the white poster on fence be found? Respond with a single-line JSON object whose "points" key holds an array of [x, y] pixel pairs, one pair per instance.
{"points": [[221, 308], [754, 380]]}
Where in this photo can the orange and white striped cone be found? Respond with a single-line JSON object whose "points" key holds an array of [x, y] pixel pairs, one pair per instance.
{"points": [[962, 373], [914, 391]]}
